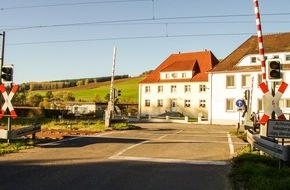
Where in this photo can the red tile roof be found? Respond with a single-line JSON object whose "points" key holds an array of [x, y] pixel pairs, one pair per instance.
{"points": [[199, 62], [272, 43]]}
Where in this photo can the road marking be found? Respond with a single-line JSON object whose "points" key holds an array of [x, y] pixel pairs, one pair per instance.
{"points": [[231, 145], [60, 141], [174, 161], [169, 134], [128, 148]]}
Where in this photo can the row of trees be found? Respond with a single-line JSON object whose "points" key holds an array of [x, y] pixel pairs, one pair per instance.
{"points": [[49, 100], [66, 83]]}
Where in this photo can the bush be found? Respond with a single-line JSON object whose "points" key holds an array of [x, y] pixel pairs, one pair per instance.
{"points": [[124, 126]]}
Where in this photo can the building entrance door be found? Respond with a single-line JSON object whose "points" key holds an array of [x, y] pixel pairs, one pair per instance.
{"points": [[173, 105]]}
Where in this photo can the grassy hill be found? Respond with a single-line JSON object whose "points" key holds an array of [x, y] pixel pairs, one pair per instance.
{"points": [[129, 89]]}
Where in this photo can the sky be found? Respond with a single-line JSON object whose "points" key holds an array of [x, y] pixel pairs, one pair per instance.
{"points": [[71, 39]]}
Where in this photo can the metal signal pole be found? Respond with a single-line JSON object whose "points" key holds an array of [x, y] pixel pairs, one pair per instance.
{"points": [[2, 55]]}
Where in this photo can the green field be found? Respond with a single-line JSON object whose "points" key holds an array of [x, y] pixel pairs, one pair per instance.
{"points": [[129, 90]]}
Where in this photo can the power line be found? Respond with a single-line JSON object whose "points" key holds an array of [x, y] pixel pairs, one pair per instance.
{"points": [[131, 38], [7, 28], [133, 21], [71, 4]]}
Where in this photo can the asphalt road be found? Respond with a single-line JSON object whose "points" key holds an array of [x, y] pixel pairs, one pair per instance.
{"points": [[159, 156]]}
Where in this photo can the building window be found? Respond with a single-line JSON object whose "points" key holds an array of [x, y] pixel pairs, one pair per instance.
{"points": [[147, 89], [167, 75], [287, 58], [160, 89], [229, 104], [246, 81], [260, 104], [183, 75], [147, 103], [287, 103], [187, 103], [187, 88], [259, 79], [160, 103], [230, 81], [202, 103], [174, 75], [202, 88], [173, 89], [253, 59]]}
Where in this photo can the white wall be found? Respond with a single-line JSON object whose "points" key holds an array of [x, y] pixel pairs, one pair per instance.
{"points": [[217, 108], [180, 96]]}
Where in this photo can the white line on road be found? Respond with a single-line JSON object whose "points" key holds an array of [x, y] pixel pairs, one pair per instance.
{"points": [[231, 145], [130, 147], [169, 134], [176, 161]]}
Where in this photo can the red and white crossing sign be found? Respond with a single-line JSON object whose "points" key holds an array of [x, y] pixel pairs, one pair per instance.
{"points": [[8, 97], [273, 102]]}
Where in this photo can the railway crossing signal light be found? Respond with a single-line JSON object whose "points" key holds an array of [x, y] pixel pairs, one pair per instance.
{"points": [[274, 70], [7, 74], [117, 93]]}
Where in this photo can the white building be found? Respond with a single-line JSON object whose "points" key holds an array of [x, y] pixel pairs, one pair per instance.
{"points": [[179, 84], [241, 70]]}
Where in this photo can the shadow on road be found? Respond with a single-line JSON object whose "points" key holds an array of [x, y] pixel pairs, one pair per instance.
{"points": [[111, 175], [85, 141]]}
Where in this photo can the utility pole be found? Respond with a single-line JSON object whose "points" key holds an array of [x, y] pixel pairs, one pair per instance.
{"points": [[110, 108], [1, 66], [2, 55]]}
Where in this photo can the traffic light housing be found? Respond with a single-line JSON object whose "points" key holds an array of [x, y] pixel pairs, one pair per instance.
{"points": [[7, 73], [246, 94], [273, 70], [117, 93]]}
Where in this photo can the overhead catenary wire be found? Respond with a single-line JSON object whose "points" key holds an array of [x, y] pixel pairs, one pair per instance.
{"points": [[166, 21], [131, 38], [136, 21], [71, 4]]}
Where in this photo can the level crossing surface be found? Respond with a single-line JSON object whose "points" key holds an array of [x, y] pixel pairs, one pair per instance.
{"points": [[158, 156]]}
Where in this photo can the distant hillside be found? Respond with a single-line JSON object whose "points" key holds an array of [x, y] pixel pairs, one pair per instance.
{"points": [[61, 84], [98, 91]]}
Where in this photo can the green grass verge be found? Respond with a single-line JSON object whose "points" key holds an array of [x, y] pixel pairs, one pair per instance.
{"points": [[15, 145], [253, 171]]}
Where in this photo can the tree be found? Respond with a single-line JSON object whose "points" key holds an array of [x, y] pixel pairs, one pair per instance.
{"points": [[45, 104], [35, 99], [97, 98], [80, 82], [19, 99], [107, 97], [87, 81], [49, 95], [68, 96]]}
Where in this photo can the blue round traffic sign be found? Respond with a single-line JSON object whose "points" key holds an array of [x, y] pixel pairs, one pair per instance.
{"points": [[240, 103]]}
